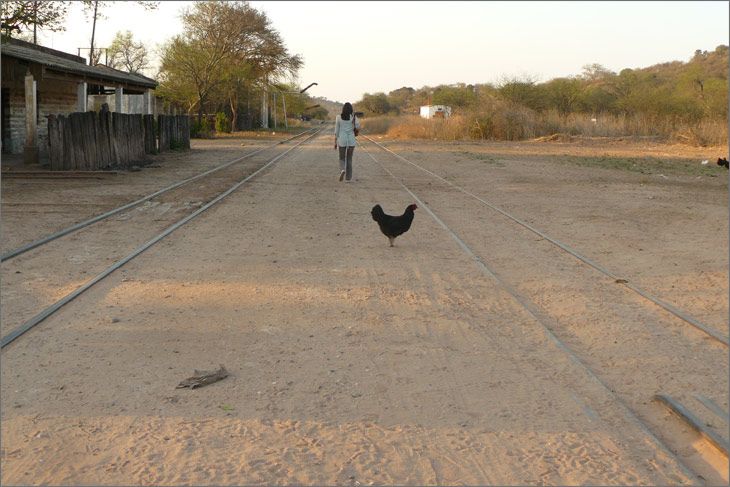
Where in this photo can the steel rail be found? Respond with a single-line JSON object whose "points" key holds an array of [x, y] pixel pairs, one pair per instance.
{"points": [[37, 243], [20, 330], [659, 302], [541, 319], [695, 423], [714, 407]]}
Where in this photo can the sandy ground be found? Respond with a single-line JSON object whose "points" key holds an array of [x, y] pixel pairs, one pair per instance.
{"points": [[355, 363]]}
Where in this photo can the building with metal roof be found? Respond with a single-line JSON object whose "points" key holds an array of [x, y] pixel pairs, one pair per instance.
{"points": [[38, 81]]}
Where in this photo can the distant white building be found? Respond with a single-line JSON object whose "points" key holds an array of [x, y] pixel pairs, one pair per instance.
{"points": [[435, 111]]}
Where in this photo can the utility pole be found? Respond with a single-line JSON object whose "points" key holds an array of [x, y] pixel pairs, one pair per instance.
{"points": [[283, 100], [274, 97], [265, 106], [35, 21], [93, 32]]}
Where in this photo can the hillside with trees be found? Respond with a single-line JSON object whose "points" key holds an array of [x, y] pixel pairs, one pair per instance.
{"points": [[687, 101]]}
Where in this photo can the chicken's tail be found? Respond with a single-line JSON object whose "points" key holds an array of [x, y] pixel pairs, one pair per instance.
{"points": [[377, 213]]}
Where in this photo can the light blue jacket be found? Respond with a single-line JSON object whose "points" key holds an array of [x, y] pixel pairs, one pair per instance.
{"points": [[345, 132]]}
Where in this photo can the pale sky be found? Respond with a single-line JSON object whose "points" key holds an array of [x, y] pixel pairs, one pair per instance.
{"points": [[350, 48]]}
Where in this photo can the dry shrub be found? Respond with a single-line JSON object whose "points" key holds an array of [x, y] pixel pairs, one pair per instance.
{"points": [[415, 127], [495, 119], [703, 134], [377, 125], [411, 127], [295, 122]]}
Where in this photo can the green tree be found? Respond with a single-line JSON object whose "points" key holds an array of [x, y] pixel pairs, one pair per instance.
{"points": [[562, 94], [459, 95], [521, 91], [596, 73], [716, 98], [400, 99], [237, 79], [374, 104], [94, 8], [224, 48], [126, 54], [320, 113], [183, 77], [596, 99], [222, 123], [296, 102], [596, 92], [19, 17]]}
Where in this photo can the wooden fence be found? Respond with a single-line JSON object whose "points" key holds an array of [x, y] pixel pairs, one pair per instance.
{"points": [[90, 141], [174, 132], [150, 139]]}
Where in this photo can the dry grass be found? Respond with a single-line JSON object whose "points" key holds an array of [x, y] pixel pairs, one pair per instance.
{"points": [[501, 121], [414, 127]]}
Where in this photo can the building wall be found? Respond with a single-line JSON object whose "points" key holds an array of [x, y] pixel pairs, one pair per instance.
{"points": [[432, 111], [56, 98], [130, 104], [53, 97], [17, 123]]}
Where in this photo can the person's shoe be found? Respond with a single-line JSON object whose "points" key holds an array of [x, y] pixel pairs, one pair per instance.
{"points": [[342, 175]]}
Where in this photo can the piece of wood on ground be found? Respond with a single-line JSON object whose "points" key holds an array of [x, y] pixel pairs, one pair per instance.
{"points": [[203, 378]]}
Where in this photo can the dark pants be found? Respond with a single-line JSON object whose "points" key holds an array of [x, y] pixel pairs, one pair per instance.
{"points": [[346, 161]]}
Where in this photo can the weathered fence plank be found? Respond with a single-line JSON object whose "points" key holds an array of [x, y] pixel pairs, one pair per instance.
{"points": [[55, 145], [105, 157], [88, 121], [139, 152], [173, 132], [96, 128], [91, 141], [68, 143], [186, 132], [150, 140], [164, 133], [74, 134]]}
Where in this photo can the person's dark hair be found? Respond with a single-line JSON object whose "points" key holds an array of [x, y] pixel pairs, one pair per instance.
{"points": [[346, 111]]}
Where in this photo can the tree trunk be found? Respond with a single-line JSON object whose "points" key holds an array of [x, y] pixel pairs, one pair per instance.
{"points": [[234, 112], [200, 109], [92, 58], [35, 22], [248, 108]]}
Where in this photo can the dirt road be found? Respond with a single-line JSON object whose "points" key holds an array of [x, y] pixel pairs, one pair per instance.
{"points": [[355, 363]]}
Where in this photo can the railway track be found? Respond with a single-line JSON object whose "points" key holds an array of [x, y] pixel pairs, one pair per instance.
{"points": [[221, 181], [641, 391], [74, 228], [683, 315], [636, 401]]}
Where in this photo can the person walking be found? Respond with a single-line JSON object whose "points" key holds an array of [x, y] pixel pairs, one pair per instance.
{"points": [[346, 127]]}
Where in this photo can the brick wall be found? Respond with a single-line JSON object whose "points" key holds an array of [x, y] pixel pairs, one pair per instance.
{"points": [[17, 122], [54, 97]]}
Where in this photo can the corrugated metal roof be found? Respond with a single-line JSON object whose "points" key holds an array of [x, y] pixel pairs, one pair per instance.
{"points": [[67, 65]]}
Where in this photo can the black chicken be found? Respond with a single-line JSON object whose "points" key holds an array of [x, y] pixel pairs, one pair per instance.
{"points": [[723, 162], [392, 226]]}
